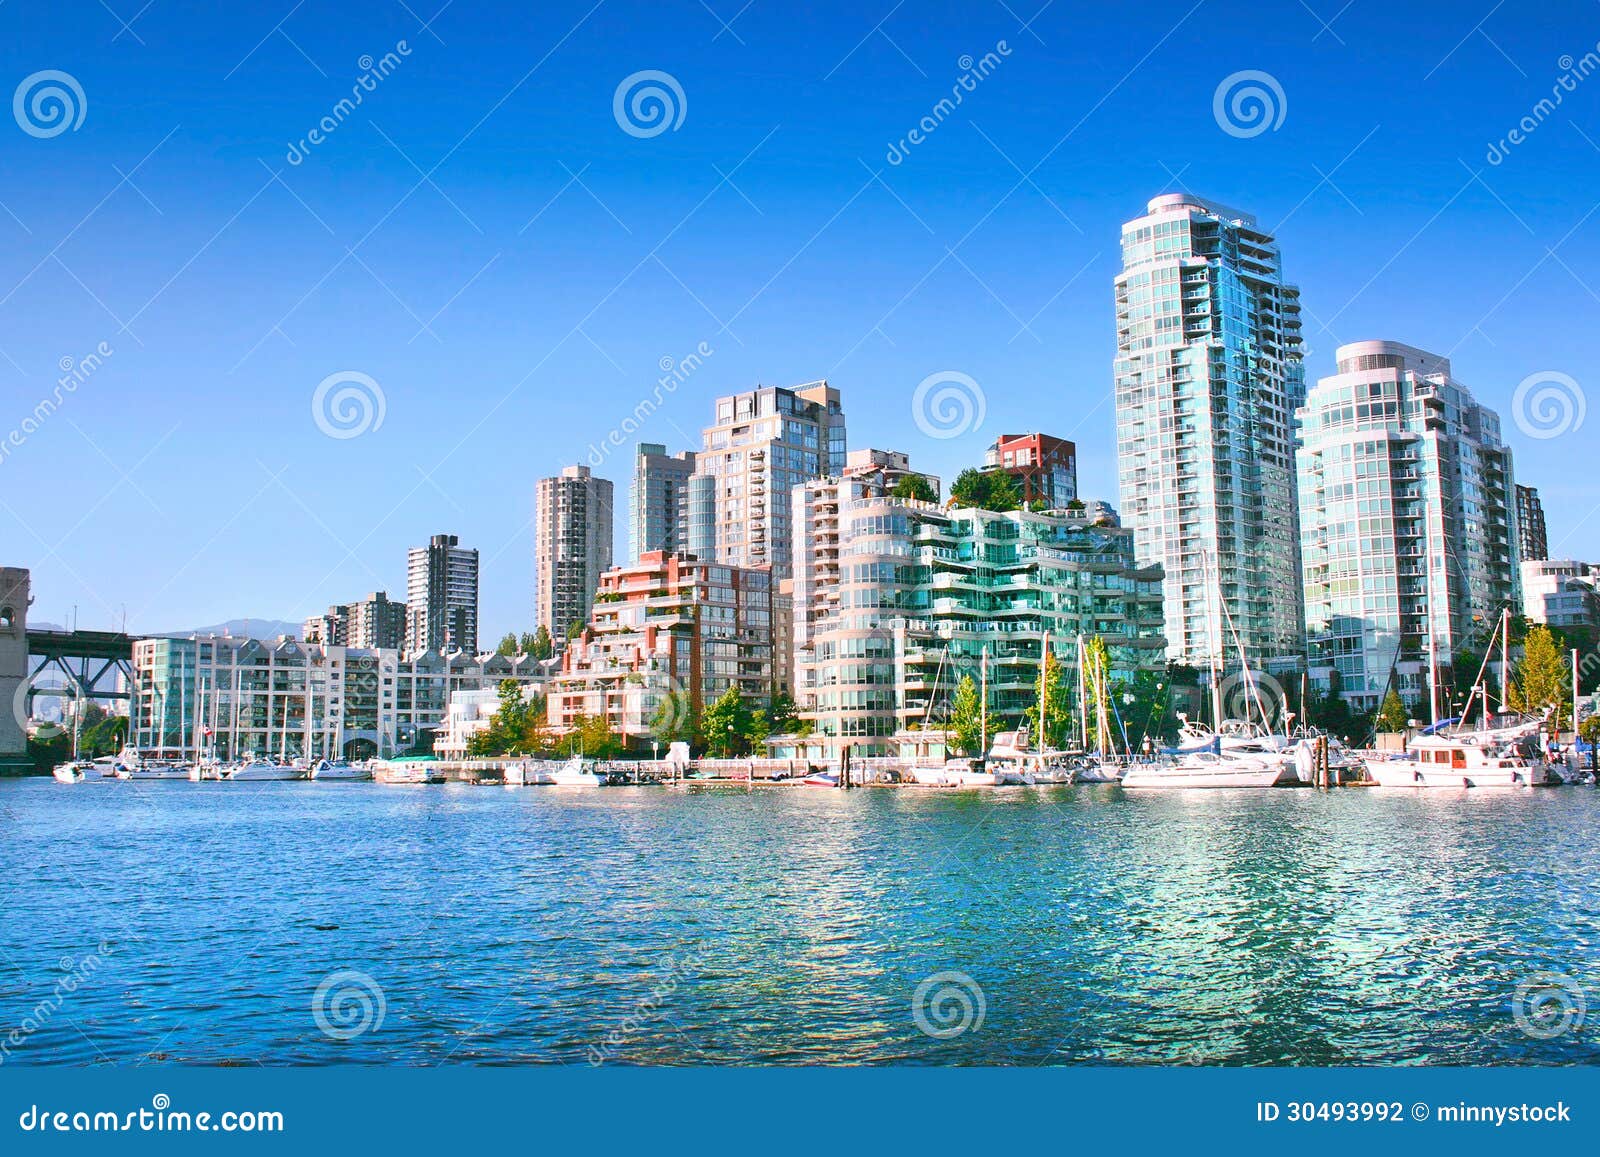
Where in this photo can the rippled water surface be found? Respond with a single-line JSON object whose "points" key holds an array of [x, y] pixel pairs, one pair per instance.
{"points": [[195, 924]]}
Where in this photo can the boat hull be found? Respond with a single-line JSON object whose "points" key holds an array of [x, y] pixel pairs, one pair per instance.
{"points": [[263, 774], [1409, 774], [1224, 773], [155, 773]]}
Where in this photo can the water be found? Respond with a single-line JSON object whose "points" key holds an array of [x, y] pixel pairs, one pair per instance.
{"points": [[647, 926]]}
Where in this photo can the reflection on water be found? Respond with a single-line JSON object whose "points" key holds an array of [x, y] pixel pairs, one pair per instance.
{"points": [[715, 925]]}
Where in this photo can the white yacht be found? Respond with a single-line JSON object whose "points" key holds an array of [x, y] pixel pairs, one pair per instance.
{"points": [[339, 771], [154, 770], [577, 772], [1211, 769], [530, 773], [956, 773], [86, 771], [261, 770], [1459, 762]]}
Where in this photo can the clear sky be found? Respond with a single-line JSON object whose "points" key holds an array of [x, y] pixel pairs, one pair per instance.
{"points": [[482, 239]]}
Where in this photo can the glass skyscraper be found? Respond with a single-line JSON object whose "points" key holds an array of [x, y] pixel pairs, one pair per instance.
{"points": [[1397, 459], [1208, 376]]}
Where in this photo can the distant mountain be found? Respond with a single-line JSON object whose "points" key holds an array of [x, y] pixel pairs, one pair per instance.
{"points": [[252, 628]]}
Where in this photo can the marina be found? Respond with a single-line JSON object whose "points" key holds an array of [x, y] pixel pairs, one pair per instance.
{"points": [[718, 925]]}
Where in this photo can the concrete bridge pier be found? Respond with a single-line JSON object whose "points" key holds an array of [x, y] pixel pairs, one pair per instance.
{"points": [[14, 599]]}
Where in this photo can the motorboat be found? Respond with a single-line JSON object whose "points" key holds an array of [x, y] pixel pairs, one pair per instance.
{"points": [[340, 771], [956, 773], [822, 778], [578, 772], [408, 772], [574, 772], [1452, 761], [86, 771], [154, 771], [263, 770]]}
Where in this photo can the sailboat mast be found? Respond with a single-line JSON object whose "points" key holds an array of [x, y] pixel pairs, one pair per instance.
{"points": [[1083, 698], [1044, 670], [1433, 635], [983, 709], [1505, 656]]}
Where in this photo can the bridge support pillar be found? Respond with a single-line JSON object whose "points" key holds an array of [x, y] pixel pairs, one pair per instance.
{"points": [[14, 598]]}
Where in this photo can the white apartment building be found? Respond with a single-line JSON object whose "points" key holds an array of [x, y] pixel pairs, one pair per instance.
{"points": [[1398, 462], [1208, 375], [764, 443], [234, 696]]}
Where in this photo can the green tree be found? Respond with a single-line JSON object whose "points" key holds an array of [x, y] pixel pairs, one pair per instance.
{"points": [[1330, 712], [1150, 712], [915, 487], [1392, 716], [593, 737], [1059, 706], [676, 720], [1542, 680], [508, 645], [542, 646], [574, 628], [728, 724], [986, 490], [509, 726], [782, 715], [966, 719]]}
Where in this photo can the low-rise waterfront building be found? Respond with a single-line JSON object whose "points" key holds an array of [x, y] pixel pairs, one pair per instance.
{"points": [[1398, 462], [1561, 593], [667, 628], [897, 600], [233, 696]]}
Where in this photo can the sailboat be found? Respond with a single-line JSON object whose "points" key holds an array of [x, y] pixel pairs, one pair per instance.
{"points": [[1257, 762], [1101, 767]]}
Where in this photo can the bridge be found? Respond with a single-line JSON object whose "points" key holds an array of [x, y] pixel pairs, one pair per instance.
{"points": [[85, 658]]}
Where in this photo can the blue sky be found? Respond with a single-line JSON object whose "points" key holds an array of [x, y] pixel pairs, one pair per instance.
{"points": [[514, 306]]}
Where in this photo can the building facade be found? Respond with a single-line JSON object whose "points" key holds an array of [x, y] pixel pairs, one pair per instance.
{"points": [[816, 545], [1045, 468], [1208, 375], [667, 629], [14, 599], [764, 443], [658, 510], [572, 531], [232, 697], [442, 596], [375, 622], [1561, 593], [1408, 515], [902, 599], [1533, 541]]}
